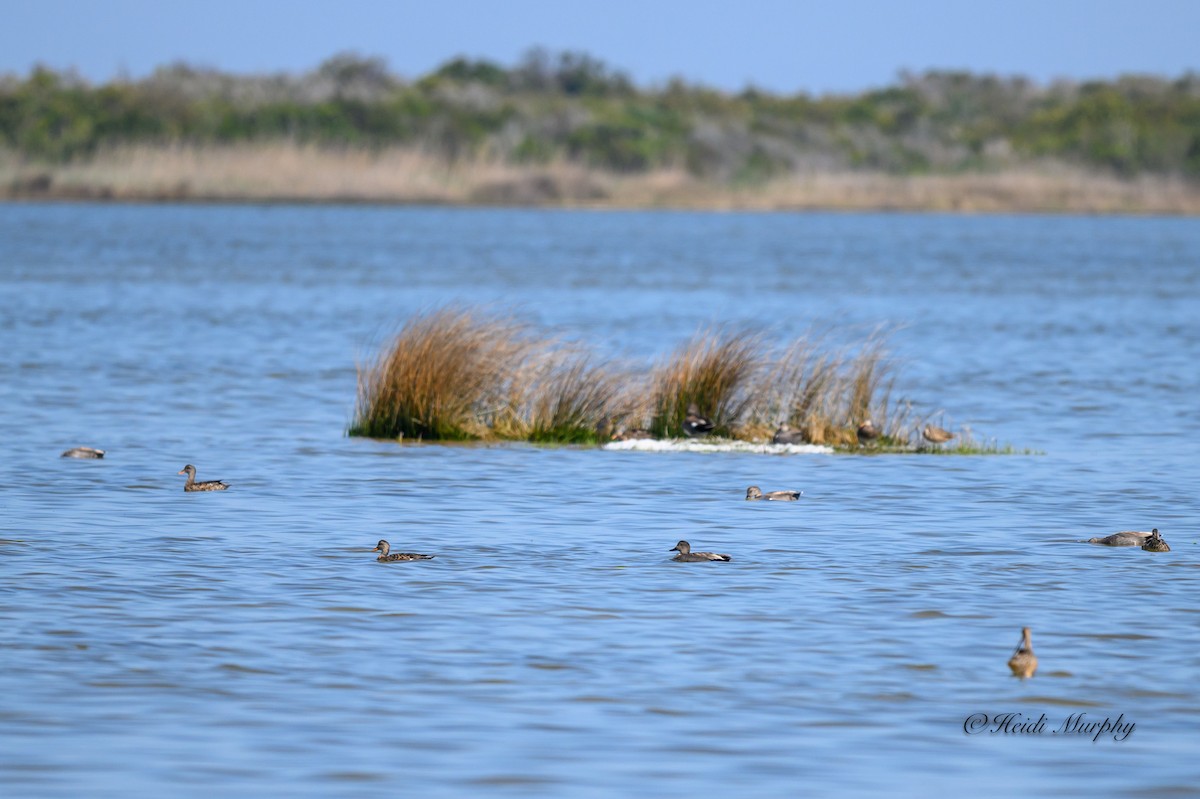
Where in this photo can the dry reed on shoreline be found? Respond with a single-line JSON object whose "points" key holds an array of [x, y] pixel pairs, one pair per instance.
{"points": [[449, 375], [286, 171]]}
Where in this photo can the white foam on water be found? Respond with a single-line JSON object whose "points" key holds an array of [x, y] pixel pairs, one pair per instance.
{"points": [[717, 445]]}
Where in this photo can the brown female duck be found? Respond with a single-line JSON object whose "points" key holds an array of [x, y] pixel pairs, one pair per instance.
{"points": [[1023, 662], [1155, 543], [686, 555], [936, 435], [387, 556], [204, 485]]}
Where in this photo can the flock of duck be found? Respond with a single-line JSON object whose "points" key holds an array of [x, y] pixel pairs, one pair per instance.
{"points": [[1023, 662], [695, 425]]}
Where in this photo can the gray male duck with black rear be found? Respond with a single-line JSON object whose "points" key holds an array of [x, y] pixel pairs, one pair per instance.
{"points": [[686, 555], [1023, 662], [754, 492], [387, 556], [203, 485], [1134, 538], [84, 453], [696, 425]]}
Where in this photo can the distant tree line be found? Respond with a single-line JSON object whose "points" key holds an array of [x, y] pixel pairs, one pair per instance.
{"points": [[570, 106]]}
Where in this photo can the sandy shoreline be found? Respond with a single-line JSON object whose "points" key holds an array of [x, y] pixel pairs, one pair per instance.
{"points": [[285, 172]]}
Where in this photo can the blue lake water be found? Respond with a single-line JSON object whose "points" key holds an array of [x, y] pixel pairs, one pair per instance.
{"points": [[154, 642]]}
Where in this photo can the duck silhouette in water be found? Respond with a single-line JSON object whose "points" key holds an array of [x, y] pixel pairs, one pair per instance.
{"points": [[1128, 538], [83, 452], [1155, 543], [686, 555], [1023, 662], [204, 485], [754, 492], [387, 556]]}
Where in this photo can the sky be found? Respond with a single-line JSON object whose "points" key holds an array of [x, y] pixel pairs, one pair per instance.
{"points": [[782, 46]]}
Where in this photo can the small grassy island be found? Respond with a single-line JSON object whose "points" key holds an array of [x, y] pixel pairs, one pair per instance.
{"points": [[460, 374]]}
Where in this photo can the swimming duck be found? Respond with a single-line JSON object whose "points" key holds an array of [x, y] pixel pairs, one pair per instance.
{"points": [[1155, 543], [383, 548], [867, 431], [83, 452], [206, 485], [1126, 538], [1023, 662], [686, 555], [694, 424], [754, 492], [936, 435], [786, 435]]}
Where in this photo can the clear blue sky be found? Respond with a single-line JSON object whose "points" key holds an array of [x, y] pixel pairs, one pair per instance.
{"points": [[815, 46]]}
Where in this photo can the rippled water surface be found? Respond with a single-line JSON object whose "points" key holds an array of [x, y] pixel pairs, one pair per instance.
{"points": [[154, 642]]}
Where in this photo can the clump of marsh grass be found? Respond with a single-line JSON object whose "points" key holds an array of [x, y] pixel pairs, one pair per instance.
{"points": [[574, 401], [451, 374], [461, 374], [803, 390], [712, 371]]}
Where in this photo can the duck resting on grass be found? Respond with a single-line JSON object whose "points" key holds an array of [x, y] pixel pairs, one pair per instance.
{"points": [[936, 435], [205, 485], [1023, 662], [686, 555], [696, 425], [754, 492], [867, 432], [387, 556], [786, 435]]}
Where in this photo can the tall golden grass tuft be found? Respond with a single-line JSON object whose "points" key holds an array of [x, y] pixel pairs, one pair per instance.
{"points": [[713, 371], [804, 390], [576, 401], [451, 374]]}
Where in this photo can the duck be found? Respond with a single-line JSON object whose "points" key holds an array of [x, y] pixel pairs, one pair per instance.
{"points": [[754, 492], [786, 435], [696, 425], [936, 435], [387, 556], [83, 452], [867, 431], [1126, 538], [1155, 543], [686, 555], [1023, 662], [636, 434], [206, 485]]}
